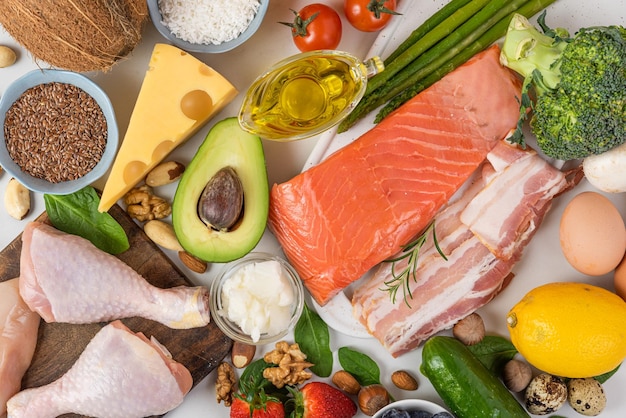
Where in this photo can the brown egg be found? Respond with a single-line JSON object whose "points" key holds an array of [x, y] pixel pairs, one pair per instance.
{"points": [[592, 234]]}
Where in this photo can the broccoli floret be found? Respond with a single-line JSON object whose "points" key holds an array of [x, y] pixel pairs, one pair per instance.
{"points": [[578, 86]]}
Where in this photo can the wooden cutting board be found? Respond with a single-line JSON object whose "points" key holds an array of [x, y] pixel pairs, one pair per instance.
{"points": [[59, 345]]}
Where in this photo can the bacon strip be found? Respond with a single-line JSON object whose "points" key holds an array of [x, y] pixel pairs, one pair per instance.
{"points": [[483, 234]]}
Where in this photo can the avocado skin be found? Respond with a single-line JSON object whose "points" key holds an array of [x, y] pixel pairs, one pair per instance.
{"points": [[226, 144]]}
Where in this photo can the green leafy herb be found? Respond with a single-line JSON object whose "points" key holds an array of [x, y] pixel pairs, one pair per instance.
{"points": [[604, 377], [411, 253], [77, 213], [493, 352], [362, 367], [312, 335]]}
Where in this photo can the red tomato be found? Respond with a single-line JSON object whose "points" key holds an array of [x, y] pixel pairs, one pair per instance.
{"points": [[369, 15], [316, 26]]}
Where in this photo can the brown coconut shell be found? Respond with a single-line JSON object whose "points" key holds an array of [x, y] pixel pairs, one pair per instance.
{"points": [[76, 35]]}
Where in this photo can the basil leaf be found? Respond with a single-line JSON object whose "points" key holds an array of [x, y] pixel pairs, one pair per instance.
{"points": [[252, 379], [494, 352], [312, 335], [363, 368], [604, 377], [77, 213]]}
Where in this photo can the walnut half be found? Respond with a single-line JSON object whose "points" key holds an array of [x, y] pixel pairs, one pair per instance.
{"points": [[290, 364], [225, 383], [143, 205]]}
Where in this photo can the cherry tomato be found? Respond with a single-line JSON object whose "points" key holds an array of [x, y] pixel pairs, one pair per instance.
{"points": [[316, 26], [369, 15]]}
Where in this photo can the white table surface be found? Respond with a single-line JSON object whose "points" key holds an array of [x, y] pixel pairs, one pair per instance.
{"points": [[543, 261]]}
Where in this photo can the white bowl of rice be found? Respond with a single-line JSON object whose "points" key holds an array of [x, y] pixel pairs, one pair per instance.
{"points": [[207, 26]]}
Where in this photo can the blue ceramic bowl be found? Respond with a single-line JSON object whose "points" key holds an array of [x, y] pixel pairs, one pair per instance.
{"points": [[155, 16], [37, 77]]}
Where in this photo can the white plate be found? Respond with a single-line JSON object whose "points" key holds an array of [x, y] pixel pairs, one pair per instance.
{"points": [[570, 15]]}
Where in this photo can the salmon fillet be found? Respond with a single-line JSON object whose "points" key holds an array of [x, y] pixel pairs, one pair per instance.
{"points": [[337, 220]]}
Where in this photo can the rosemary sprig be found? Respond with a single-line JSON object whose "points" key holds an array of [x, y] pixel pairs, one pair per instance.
{"points": [[411, 252]]}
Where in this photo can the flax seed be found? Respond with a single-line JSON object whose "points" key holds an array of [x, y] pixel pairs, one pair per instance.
{"points": [[56, 132]]}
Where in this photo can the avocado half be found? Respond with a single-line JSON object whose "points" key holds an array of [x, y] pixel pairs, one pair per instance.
{"points": [[226, 145]]}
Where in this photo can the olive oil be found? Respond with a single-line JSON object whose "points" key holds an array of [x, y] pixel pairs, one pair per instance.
{"points": [[305, 94]]}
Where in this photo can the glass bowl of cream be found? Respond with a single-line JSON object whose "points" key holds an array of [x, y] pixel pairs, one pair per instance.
{"points": [[257, 299]]}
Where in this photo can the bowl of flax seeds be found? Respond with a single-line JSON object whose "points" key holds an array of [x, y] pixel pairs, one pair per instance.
{"points": [[58, 131]]}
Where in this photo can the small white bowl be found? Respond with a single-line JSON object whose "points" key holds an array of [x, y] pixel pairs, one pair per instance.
{"points": [[35, 78], [232, 329], [255, 23], [412, 405]]}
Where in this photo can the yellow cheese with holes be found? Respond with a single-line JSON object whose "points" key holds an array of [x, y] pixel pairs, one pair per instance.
{"points": [[179, 94]]}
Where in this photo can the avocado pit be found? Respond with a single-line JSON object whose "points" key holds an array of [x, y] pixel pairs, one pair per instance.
{"points": [[221, 203]]}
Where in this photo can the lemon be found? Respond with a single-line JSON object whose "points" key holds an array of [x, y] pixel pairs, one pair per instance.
{"points": [[570, 329]]}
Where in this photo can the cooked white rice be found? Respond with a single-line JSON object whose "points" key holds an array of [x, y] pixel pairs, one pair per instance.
{"points": [[207, 21]]}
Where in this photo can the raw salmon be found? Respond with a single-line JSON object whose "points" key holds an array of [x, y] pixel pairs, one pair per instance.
{"points": [[340, 218]]}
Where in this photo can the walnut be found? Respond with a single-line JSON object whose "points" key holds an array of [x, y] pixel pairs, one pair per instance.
{"points": [[143, 205], [225, 384], [290, 365]]}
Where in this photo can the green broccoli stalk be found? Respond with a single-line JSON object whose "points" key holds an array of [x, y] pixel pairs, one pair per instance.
{"points": [[574, 86]]}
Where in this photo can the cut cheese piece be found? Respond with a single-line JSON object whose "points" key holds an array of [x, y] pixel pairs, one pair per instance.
{"points": [[179, 94]]}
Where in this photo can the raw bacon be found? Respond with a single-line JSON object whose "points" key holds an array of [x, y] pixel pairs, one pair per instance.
{"points": [[340, 218], [483, 234]]}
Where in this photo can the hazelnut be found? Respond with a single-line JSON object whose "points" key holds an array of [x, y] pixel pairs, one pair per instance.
{"points": [[403, 380], [516, 375], [346, 382], [372, 398], [470, 330]]}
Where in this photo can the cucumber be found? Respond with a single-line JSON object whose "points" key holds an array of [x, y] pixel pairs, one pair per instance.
{"points": [[467, 387]]}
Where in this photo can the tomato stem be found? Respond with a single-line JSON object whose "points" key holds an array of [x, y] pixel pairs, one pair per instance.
{"points": [[378, 6], [299, 25]]}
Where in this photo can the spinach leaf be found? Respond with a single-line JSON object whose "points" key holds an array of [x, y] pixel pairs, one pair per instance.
{"points": [[77, 213], [312, 335], [362, 367], [493, 352]]}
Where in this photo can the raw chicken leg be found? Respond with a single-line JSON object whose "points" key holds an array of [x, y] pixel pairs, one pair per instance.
{"points": [[18, 339], [65, 278], [119, 374]]}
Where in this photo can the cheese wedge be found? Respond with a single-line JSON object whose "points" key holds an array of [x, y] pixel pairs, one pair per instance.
{"points": [[179, 94]]}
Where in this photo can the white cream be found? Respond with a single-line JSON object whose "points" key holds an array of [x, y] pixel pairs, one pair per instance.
{"points": [[258, 298]]}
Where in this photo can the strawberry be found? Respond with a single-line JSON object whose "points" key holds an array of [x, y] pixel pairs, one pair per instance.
{"points": [[258, 407], [321, 400]]}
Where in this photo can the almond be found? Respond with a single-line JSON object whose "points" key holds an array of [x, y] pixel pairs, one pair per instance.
{"points": [[165, 173], [403, 380], [242, 354], [346, 382], [192, 262]]}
